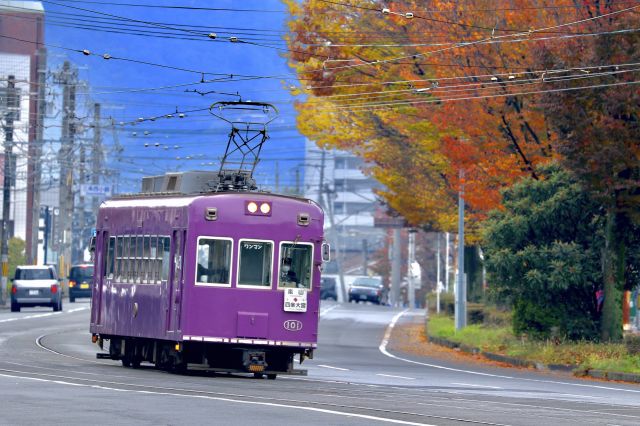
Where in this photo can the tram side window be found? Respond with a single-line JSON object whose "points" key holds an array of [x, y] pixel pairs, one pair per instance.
{"points": [[295, 265], [254, 268], [146, 261], [214, 261], [166, 263], [119, 261], [110, 259]]}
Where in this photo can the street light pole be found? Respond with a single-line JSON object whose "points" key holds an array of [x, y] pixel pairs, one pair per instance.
{"points": [[461, 294]]}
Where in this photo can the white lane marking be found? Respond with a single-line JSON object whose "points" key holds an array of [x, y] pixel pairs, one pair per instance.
{"points": [[392, 324], [333, 368], [396, 377], [215, 398], [326, 311], [477, 386], [43, 315]]}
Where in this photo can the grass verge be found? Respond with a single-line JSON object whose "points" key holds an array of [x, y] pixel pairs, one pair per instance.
{"points": [[584, 355]]}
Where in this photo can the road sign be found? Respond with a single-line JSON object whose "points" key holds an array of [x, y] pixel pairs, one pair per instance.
{"points": [[95, 190]]}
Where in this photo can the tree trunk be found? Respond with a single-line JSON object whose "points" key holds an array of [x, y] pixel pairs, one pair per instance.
{"points": [[612, 257]]}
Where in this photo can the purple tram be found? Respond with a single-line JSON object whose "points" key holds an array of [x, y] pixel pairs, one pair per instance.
{"points": [[226, 281]]}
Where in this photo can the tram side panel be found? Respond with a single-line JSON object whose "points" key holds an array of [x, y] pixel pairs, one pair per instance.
{"points": [[128, 300]]}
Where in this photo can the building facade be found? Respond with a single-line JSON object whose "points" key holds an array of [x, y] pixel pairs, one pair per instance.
{"points": [[22, 56], [335, 179]]}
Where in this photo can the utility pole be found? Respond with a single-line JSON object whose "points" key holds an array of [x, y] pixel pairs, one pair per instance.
{"points": [[438, 283], [11, 105], [446, 262], [80, 212], [411, 258], [96, 155], [365, 256], [396, 265], [35, 168], [298, 191], [461, 293], [68, 78]]}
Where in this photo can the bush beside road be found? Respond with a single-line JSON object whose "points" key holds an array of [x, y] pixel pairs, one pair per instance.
{"points": [[612, 361]]}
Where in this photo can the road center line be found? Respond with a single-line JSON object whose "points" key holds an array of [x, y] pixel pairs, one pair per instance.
{"points": [[333, 368], [396, 377], [42, 315], [326, 311], [477, 386]]}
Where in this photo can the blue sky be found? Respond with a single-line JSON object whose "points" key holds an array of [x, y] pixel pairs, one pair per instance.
{"points": [[198, 135]]}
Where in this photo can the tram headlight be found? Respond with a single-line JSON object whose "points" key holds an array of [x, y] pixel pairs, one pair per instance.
{"points": [[258, 208]]}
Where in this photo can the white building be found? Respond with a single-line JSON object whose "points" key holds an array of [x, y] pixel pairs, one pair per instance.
{"points": [[338, 184]]}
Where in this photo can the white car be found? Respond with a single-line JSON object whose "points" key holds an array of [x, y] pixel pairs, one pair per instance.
{"points": [[36, 286]]}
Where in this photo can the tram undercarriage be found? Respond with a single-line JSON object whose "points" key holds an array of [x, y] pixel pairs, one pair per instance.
{"points": [[181, 357]]}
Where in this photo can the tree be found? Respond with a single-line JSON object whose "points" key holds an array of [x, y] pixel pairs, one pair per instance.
{"points": [[543, 254], [603, 150], [17, 255]]}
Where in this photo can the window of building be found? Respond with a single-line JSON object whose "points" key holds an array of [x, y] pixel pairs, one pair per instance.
{"points": [[213, 266], [296, 260], [254, 263]]}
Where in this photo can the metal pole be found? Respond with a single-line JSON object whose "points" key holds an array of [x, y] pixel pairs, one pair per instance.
{"points": [[410, 260], [6, 189], [47, 227], [447, 271], [461, 294], [438, 283], [67, 77], [396, 262], [365, 256], [96, 156]]}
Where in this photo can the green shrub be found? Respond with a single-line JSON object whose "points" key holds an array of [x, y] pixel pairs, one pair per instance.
{"points": [[447, 303], [475, 313], [632, 342]]}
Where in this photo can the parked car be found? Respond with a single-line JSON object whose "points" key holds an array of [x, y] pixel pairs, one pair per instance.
{"points": [[80, 281], [368, 289], [328, 288], [36, 286]]}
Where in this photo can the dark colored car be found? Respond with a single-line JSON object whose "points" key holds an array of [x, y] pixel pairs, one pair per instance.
{"points": [[328, 288], [80, 281], [368, 289], [36, 286]]}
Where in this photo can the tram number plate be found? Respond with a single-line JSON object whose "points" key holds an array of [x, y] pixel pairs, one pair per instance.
{"points": [[295, 300]]}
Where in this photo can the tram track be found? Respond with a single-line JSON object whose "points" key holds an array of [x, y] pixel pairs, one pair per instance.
{"points": [[369, 402], [373, 395]]}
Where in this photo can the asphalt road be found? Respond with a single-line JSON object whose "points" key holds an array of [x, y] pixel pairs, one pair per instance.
{"points": [[49, 375]]}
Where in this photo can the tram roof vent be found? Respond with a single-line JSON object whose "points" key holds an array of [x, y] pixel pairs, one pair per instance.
{"points": [[191, 182]]}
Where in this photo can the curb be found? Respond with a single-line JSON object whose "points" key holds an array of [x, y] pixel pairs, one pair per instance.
{"points": [[517, 362]]}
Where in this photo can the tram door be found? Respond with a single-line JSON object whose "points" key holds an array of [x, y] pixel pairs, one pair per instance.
{"points": [[103, 259], [177, 279]]}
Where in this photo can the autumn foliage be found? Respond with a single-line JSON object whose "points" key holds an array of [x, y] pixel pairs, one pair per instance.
{"points": [[459, 85]]}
